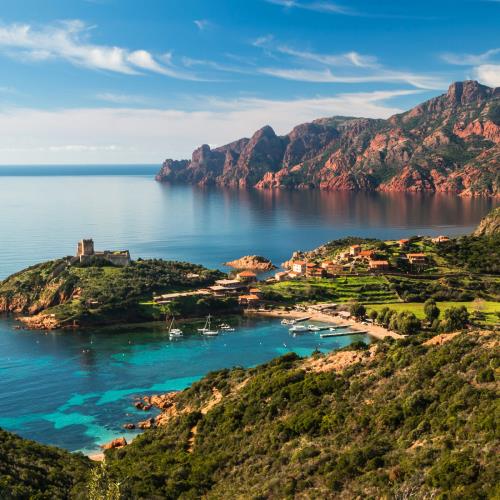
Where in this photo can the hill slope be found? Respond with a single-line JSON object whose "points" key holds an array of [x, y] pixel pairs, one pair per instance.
{"points": [[490, 225], [404, 420], [448, 144]]}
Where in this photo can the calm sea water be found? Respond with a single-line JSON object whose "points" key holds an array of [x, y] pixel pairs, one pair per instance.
{"points": [[76, 389], [44, 211]]}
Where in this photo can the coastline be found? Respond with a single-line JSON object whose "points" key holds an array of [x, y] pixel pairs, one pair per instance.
{"points": [[374, 331]]}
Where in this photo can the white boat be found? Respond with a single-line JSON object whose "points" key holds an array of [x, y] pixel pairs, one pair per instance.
{"points": [[174, 332], [226, 327], [288, 322], [298, 329], [207, 329], [313, 328]]}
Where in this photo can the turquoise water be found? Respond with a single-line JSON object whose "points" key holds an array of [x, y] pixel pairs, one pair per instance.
{"points": [[76, 390]]}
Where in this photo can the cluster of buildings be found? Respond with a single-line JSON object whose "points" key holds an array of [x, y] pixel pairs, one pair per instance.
{"points": [[242, 287], [353, 259]]}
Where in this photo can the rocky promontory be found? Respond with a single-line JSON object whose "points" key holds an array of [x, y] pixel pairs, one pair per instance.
{"points": [[450, 143], [490, 224], [252, 263]]}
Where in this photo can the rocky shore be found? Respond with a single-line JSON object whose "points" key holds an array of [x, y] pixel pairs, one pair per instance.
{"points": [[252, 263]]}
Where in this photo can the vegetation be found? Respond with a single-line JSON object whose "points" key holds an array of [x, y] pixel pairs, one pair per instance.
{"points": [[98, 292], [29, 470], [414, 421]]}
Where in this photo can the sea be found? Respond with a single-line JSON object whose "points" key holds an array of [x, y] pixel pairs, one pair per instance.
{"points": [[77, 389]]}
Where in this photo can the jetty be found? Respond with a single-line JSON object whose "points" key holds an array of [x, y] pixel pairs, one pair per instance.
{"points": [[343, 334]]}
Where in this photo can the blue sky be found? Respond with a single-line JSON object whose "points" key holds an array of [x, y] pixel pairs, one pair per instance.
{"points": [[128, 81]]}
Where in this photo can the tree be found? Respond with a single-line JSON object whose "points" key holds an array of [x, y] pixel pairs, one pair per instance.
{"points": [[101, 486], [431, 310], [455, 318], [373, 315], [408, 323], [358, 310]]}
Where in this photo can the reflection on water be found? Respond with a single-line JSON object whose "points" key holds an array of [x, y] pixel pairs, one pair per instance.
{"points": [[44, 216]]}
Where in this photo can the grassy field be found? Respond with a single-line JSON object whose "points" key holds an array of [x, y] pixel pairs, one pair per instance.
{"points": [[489, 309], [370, 289]]}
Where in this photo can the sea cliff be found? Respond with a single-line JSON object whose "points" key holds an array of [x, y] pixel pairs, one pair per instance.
{"points": [[450, 143]]}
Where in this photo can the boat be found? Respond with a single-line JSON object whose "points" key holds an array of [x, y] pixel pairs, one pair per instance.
{"points": [[298, 329], [207, 329], [174, 332], [226, 327], [313, 328], [288, 322]]}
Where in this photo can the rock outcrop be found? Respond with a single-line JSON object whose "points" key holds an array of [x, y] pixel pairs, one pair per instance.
{"points": [[490, 224], [450, 143], [252, 263]]}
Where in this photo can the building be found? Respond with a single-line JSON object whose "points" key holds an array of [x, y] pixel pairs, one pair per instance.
{"points": [[440, 239], [416, 258], [367, 254], [314, 271], [226, 288], [248, 300], [281, 276], [378, 265], [85, 252], [299, 266], [402, 243], [354, 250], [247, 276]]}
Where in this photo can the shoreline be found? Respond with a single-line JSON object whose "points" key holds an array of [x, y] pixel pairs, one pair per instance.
{"points": [[375, 331]]}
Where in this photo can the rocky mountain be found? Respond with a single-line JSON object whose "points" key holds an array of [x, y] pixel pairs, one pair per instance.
{"points": [[490, 225], [450, 143]]}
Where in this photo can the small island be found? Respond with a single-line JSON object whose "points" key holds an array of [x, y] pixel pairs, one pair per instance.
{"points": [[252, 263]]}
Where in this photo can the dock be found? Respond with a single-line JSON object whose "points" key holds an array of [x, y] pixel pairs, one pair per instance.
{"points": [[343, 334]]}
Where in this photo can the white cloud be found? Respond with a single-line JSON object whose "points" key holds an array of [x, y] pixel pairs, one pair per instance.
{"points": [[470, 59], [122, 98], [202, 24], [68, 40], [348, 59], [318, 6], [326, 76], [489, 74], [137, 135]]}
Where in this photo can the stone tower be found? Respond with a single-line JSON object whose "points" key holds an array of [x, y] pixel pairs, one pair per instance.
{"points": [[85, 248]]}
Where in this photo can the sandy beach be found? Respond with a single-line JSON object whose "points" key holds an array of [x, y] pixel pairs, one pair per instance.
{"points": [[375, 331]]}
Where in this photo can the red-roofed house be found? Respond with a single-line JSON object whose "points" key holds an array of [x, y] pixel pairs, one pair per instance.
{"points": [[299, 266], [378, 265]]}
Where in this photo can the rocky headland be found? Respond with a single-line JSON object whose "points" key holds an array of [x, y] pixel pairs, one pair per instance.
{"points": [[252, 263], [450, 143]]}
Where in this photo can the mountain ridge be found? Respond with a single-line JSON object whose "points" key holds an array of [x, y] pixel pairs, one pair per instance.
{"points": [[450, 143]]}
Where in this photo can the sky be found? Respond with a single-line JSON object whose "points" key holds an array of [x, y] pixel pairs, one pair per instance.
{"points": [[139, 81]]}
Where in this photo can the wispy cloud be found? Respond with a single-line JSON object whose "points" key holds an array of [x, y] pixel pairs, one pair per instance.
{"points": [[485, 65], [318, 6], [202, 24], [69, 41], [326, 76], [470, 59], [122, 98], [348, 67], [105, 135]]}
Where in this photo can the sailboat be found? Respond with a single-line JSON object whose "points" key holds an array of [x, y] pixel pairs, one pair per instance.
{"points": [[207, 329], [174, 332]]}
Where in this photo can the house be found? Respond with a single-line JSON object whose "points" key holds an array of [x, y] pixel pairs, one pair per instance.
{"points": [[354, 250], [281, 276], [402, 243], [416, 258], [248, 300], [378, 265], [247, 276], [367, 254], [225, 287], [331, 268], [255, 291], [314, 271], [440, 239], [344, 255], [344, 314], [299, 266]]}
